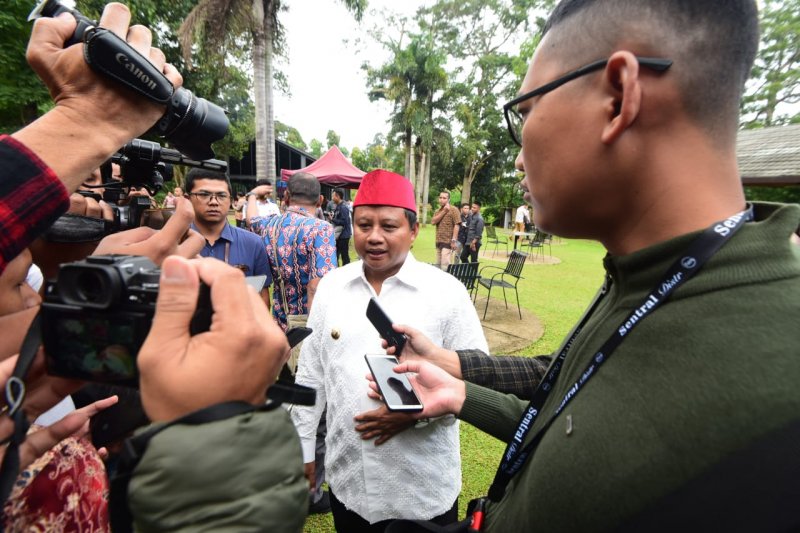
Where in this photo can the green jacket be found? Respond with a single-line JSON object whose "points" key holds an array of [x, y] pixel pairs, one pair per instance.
{"points": [[711, 371], [240, 474]]}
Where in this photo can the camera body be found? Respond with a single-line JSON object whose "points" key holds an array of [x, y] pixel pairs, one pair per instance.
{"points": [[97, 314]]}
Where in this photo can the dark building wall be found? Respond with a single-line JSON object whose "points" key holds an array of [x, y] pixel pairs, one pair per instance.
{"points": [[243, 171]]}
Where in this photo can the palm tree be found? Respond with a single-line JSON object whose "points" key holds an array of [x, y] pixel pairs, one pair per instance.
{"points": [[221, 26]]}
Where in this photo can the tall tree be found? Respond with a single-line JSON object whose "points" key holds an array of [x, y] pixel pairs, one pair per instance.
{"points": [[774, 85], [289, 135], [478, 35], [316, 147], [217, 25], [333, 139]]}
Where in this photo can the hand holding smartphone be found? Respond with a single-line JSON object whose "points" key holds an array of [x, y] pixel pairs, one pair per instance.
{"points": [[396, 389], [383, 324]]}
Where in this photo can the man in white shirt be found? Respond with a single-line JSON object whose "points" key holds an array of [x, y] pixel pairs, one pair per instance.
{"points": [[266, 207], [412, 470], [522, 219]]}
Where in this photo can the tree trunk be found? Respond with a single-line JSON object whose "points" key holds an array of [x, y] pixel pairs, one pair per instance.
{"points": [[269, 108], [260, 80], [420, 182], [412, 176], [426, 188], [409, 169], [466, 190]]}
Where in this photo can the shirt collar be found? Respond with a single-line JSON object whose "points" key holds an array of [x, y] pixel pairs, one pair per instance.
{"points": [[227, 231], [407, 274]]}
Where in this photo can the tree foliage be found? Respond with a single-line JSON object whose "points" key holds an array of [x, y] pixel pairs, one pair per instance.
{"points": [[774, 87], [290, 135], [23, 97]]}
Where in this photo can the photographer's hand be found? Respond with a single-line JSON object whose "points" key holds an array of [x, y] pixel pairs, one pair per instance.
{"points": [[43, 392], [237, 359], [89, 207], [158, 244], [94, 116]]}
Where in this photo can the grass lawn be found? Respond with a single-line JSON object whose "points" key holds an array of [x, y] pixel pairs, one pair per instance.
{"points": [[557, 294]]}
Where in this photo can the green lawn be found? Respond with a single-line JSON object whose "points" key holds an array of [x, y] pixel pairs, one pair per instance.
{"points": [[557, 294]]}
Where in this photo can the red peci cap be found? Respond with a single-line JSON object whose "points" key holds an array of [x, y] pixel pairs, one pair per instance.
{"points": [[381, 187]]}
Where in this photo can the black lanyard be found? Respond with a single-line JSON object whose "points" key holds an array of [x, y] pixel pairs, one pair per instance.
{"points": [[690, 262]]}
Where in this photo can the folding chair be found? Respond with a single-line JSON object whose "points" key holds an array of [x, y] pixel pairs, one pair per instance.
{"points": [[492, 238], [466, 273], [513, 270]]}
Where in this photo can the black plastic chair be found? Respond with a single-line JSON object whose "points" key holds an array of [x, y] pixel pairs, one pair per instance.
{"points": [[538, 242], [513, 270], [466, 273], [492, 238]]}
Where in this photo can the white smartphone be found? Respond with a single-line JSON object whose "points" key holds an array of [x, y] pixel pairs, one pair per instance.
{"points": [[396, 389], [257, 282]]}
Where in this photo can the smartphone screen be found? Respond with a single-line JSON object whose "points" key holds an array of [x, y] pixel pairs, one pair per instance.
{"points": [[396, 389]]}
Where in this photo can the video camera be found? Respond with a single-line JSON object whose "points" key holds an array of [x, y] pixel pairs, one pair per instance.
{"points": [[142, 164], [190, 123], [97, 314]]}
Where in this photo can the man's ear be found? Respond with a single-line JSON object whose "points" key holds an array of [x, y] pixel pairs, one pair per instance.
{"points": [[621, 79]]}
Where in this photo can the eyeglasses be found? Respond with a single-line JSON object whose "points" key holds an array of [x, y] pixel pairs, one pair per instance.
{"points": [[207, 196], [514, 119]]}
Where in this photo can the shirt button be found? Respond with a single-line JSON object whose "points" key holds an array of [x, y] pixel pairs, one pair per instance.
{"points": [[335, 333]]}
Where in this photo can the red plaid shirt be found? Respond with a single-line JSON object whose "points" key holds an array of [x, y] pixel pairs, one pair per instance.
{"points": [[31, 198]]}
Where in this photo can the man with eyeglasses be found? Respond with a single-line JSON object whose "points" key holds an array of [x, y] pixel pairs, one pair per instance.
{"points": [[673, 403], [210, 193]]}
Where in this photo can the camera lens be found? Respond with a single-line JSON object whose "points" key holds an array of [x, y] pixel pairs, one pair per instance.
{"points": [[192, 124]]}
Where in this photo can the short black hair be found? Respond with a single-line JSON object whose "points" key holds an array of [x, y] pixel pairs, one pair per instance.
{"points": [[712, 43], [411, 216], [265, 181], [339, 192], [476, 202], [204, 174], [446, 192], [304, 187]]}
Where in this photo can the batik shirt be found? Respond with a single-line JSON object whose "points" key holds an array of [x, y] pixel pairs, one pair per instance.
{"points": [[306, 249]]}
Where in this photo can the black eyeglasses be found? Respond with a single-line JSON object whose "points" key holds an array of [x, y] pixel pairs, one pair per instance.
{"points": [[514, 119], [207, 196]]}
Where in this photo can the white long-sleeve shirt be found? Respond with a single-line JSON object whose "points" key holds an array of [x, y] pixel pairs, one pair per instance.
{"points": [[417, 473]]}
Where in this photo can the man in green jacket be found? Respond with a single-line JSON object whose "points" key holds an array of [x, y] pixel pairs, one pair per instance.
{"points": [[671, 404]]}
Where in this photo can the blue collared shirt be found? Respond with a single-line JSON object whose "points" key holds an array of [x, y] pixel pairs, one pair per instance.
{"points": [[245, 251]]}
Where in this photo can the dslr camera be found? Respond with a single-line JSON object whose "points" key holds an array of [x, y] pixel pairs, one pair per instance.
{"points": [[97, 314]]}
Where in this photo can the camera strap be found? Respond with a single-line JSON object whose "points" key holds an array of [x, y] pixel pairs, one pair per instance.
{"points": [[686, 266], [108, 54], [14, 398]]}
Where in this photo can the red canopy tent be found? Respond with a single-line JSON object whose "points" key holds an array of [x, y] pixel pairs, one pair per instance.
{"points": [[331, 169]]}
